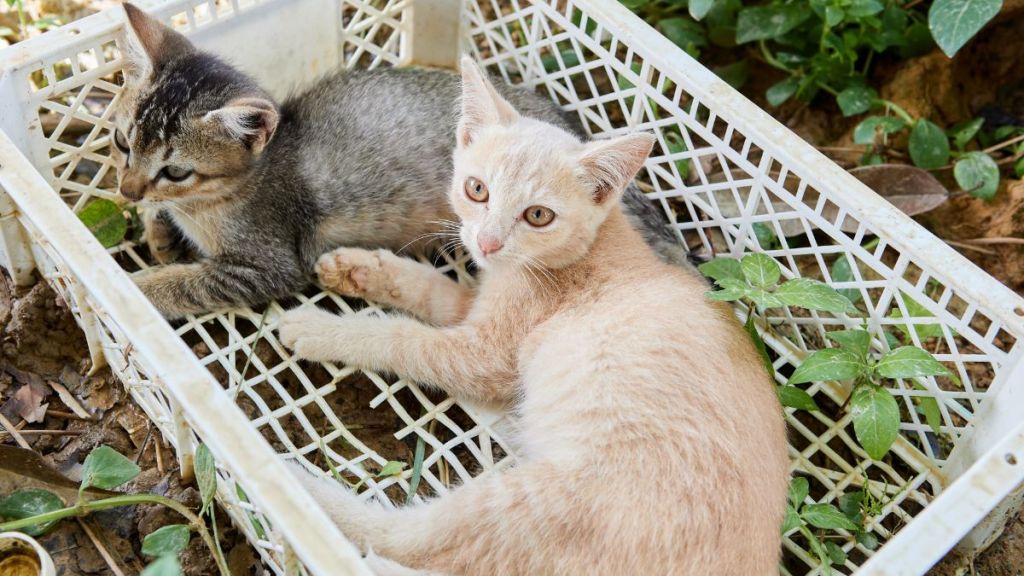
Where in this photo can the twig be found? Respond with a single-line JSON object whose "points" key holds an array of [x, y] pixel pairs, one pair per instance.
{"points": [[13, 432], [64, 415], [1003, 144], [159, 456], [994, 240], [145, 443], [970, 247], [101, 548], [70, 401], [50, 432]]}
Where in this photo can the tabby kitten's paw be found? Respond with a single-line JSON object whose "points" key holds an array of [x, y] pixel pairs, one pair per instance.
{"points": [[357, 272], [162, 240]]}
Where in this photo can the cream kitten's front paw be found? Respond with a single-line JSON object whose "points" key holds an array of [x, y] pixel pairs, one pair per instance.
{"points": [[301, 323], [356, 272]]}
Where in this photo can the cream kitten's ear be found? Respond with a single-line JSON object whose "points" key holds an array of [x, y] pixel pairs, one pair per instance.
{"points": [[150, 43], [609, 165], [482, 106], [252, 121]]}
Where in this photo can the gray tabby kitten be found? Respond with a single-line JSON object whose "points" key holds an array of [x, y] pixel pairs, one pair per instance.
{"points": [[261, 190]]}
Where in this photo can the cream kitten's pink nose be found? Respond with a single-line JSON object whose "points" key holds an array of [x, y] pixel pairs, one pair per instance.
{"points": [[488, 245]]}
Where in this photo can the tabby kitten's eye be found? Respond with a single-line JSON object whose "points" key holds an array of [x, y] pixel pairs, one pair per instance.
{"points": [[121, 142], [476, 190], [175, 173], [538, 216]]}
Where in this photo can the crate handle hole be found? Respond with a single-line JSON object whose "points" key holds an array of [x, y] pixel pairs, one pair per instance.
{"points": [[1011, 459], [1019, 310], [74, 31]]}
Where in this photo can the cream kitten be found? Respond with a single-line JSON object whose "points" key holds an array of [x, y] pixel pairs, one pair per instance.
{"points": [[649, 438]]}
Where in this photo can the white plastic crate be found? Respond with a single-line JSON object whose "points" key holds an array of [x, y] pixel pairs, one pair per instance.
{"points": [[200, 381]]}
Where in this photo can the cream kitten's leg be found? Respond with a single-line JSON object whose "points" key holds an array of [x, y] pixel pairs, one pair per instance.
{"points": [[384, 278], [454, 359]]}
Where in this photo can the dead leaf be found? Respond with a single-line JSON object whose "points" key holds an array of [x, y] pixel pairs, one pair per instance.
{"points": [[913, 190], [27, 402]]}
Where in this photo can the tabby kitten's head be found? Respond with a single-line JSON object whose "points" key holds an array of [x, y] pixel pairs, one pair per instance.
{"points": [[528, 192], [188, 126]]}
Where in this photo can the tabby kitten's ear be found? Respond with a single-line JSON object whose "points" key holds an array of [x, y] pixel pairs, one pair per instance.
{"points": [[250, 121], [609, 165], [482, 106], [150, 43]]}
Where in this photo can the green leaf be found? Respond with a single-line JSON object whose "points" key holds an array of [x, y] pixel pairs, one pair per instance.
{"points": [[813, 295], [876, 419], [910, 362], [856, 100], [163, 566], [793, 397], [105, 468], [864, 8], [762, 350], [856, 341], [828, 364], [257, 525], [170, 539], [721, 268], [700, 8], [735, 74], [799, 488], [763, 298], [835, 552], [842, 272], [954, 22], [978, 174], [929, 408], [928, 145], [833, 16], [760, 270], [676, 145], [867, 540], [826, 516], [915, 310], [763, 22], [766, 238], [206, 476], [105, 220], [569, 59], [864, 133], [391, 468], [819, 550], [850, 504], [683, 32], [777, 94], [31, 502], [791, 521], [964, 132], [732, 289], [1018, 168]]}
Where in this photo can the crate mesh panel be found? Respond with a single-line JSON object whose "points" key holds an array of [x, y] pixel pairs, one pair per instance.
{"points": [[722, 192]]}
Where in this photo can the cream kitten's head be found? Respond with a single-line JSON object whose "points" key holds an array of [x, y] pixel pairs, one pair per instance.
{"points": [[526, 191], [187, 125]]}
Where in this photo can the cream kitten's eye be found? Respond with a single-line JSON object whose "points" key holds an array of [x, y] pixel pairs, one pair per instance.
{"points": [[121, 142], [538, 216], [175, 173], [476, 190]]}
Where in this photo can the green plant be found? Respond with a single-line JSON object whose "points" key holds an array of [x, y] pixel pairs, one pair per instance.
{"points": [[36, 511], [875, 413], [814, 521]]}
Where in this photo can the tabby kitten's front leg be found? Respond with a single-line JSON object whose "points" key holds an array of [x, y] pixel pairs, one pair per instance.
{"points": [[218, 282], [384, 278], [454, 359]]}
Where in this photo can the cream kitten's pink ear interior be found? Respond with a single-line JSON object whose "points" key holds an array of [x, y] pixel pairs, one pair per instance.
{"points": [[482, 106], [609, 165], [251, 121], [150, 43]]}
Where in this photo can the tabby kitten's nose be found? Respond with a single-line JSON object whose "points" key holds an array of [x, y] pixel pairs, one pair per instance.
{"points": [[132, 188], [489, 245]]}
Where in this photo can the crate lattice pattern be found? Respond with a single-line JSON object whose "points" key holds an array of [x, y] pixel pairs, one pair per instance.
{"points": [[719, 188]]}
